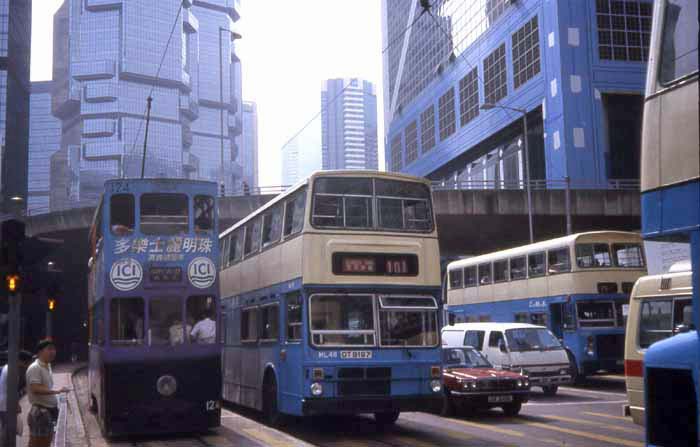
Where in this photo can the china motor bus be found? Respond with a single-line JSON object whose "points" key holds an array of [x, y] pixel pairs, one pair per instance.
{"points": [[670, 183], [153, 288], [575, 285], [660, 307], [331, 299]]}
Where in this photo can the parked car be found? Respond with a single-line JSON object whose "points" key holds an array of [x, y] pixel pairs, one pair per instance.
{"points": [[517, 347], [471, 382]]}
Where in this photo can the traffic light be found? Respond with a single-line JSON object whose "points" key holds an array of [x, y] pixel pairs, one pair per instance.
{"points": [[52, 304], [11, 240], [13, 282]]}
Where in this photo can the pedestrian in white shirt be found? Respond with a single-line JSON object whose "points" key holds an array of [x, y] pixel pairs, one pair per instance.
{"points": [[204, 331], [25, 358]]}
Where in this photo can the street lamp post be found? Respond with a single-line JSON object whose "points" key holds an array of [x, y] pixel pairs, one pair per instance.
{"points": [[523, 112], [234, 35]]}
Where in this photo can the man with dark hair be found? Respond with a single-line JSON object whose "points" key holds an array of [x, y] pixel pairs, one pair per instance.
{"points": [[25, 358], [44, 412], [204, 332]]}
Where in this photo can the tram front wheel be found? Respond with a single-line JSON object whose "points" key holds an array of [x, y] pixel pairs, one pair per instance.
{"points": [[386, 418]]}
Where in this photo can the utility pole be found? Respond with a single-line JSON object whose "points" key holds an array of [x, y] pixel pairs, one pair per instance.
{"points": [[145, 138], [222, 181], [12, 234]]}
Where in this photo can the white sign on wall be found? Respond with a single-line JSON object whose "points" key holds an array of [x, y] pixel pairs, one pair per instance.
{"points": [[662, 255]]}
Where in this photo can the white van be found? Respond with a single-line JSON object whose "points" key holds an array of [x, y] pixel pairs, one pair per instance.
{"points": [[516, 346], [660, 307]]}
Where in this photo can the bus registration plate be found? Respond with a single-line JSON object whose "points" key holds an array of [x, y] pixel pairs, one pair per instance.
{"points": [[355, 355], [500, 399]]}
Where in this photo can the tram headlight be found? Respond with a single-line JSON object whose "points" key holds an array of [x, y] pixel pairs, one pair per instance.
{"points": [[316, 389], [436, 386], [166, 385]]}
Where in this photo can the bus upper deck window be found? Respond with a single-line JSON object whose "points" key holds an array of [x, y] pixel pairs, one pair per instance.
{"points": [[485, 276], [122, 215], [500, 271], [535, 265], [455, 277], [272, 226], [679, 48], [203, 213], [628, 255], [164, 214], [403, 205], [518, 268], [294, 213], [470, 276], [559, 260], [593, 255]]}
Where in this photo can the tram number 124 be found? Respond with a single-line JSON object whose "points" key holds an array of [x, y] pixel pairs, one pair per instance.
{"points": [[213, 405]]}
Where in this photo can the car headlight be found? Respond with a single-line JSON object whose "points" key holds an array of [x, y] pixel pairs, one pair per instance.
{"points": [[520, 383], [564, 372], [316, 389], [526, 382], [435, 386]]}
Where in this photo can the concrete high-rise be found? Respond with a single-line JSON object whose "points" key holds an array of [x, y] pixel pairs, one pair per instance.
{"points": [[107, 58], [349, 123], [249, 146], [44, 142], [15, 38], [301, 155]]}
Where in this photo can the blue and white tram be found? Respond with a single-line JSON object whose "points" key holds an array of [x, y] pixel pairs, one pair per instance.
{"points": [[154, 357]]}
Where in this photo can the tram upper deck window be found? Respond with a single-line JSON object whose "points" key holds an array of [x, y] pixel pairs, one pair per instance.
{"points": [[628, 255], [122, 214], [679, 47], [470, 276], [165, 321], [203, 213], [126, 321], [340, 320], [535, 265], [294, 213], [518, 268], [164, 214], [559, 261], [593, 256]]}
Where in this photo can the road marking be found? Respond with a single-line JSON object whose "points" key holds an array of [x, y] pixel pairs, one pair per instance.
{"points": [[610, 416], [346, 443], [596, 437], [503, 431], [635, 431], [266, 439], [407, 441], [578, 390], [596, 402]]}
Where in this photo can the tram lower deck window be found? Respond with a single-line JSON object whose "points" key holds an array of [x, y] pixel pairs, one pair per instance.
{"points": [[126, 321]]}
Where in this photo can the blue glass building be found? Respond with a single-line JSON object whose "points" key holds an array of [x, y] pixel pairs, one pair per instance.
{"points": [[576, 67], [349, 124], [106, 56], [15, 33], [44, 142]]}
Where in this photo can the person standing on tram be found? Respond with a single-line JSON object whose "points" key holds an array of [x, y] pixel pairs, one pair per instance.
{"points": [[204, 331]]}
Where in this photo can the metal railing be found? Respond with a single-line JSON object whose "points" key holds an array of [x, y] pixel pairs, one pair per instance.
{"points": [[537, 185]]}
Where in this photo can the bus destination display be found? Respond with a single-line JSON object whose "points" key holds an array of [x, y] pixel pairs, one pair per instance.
{"points": [[165, 274], [375, 264]]}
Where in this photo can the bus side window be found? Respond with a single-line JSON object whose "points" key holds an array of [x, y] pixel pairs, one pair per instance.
{"points": [[522, 317], [538, 319], [655, 322], [122, 214], [535, 265], [272, 226], [294, 213], [203, 213], [475, 339], [455, 279], [682, 314], [249, 324], [470, 276], [484, 318], [485, 274], [294, 317], [270, 322]]}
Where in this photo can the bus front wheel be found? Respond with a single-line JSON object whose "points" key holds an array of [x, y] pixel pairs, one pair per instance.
{"points": [[386, 418], [550, 390], [270, 406]]}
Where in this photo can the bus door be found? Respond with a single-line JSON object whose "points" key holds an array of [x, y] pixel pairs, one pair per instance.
{"points": [[291, 371], [556, 319]]}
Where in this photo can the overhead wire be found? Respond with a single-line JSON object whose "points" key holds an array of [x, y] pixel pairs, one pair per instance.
{"points": [[153, 86]]}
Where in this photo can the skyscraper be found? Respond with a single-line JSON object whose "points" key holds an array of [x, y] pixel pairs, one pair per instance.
{"points": [[302, 154], [15, 38], [107, 59], [349, 123], [44, 141], [575, 68], [249, 147]]}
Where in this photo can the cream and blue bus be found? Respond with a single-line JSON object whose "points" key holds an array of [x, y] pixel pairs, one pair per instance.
{"points": [[331, 299], [578, 286], [670, 178]]}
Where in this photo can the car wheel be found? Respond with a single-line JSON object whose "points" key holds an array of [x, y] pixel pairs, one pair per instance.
{"points": [[448, 407], [512, 409], [386, 418], [550, 390]]}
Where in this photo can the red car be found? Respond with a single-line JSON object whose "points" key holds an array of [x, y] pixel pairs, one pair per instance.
{"points": [[471, 382]]}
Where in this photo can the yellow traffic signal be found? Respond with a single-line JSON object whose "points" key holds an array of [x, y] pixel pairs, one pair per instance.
{"points": [[13, 283], [52, 304]]}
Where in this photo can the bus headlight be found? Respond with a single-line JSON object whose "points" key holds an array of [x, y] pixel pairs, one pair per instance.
{"points": [[436, 386], [589, 345], [316, 389]]}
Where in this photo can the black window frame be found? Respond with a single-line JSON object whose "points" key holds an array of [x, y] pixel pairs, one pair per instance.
{"points": [[112, 224], [553, 252], [265, 311], [474, 276], [544, 264], [452, 278], [506, 271], [479, 274], [246, 324], [524, 265]]}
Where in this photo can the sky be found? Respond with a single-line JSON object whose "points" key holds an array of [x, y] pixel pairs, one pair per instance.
{"points": [[287, 50]]}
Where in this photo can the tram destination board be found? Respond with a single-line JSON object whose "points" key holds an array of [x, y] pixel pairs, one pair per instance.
{"points": [[165, 274], [375, 264]]}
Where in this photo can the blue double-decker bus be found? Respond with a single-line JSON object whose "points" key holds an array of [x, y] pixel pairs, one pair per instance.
{"points": [[331, 299], [671, 211], [155, 358], [578, 286]]}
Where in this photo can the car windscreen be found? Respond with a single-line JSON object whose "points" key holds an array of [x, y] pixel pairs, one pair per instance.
{"points": [[531, 339], [464, 358]]}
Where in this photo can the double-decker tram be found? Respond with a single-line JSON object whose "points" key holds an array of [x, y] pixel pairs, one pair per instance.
{"points": [[578, 286], [155, 358], [331, 299], [671, 211]]}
